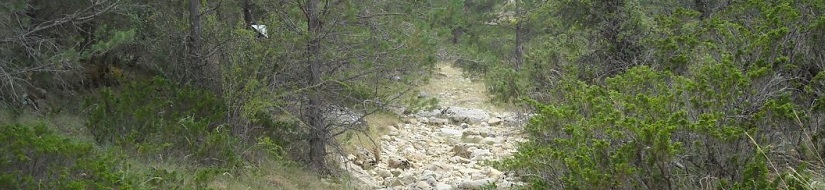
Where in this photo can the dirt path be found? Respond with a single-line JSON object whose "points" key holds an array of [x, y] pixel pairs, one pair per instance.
{"points": [[444, 148], [453, 89]]}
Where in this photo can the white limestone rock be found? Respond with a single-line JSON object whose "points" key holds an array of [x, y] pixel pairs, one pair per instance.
{"points": [[451, 132], [467, 115]]}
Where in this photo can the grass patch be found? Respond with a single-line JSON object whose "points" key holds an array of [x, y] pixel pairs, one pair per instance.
{"points": [[145, 171]]}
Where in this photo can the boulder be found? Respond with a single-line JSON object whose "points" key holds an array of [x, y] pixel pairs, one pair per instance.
{"points": [[466, 115]]}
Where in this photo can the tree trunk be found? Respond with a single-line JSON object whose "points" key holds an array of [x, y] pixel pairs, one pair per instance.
{"points": [[518, 52], [456, 34], [519, 47], [195, 34], [247, 13], [702, 7], [318, 138]]}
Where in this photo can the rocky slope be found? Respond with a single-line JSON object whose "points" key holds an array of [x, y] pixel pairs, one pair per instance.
{"points": [[446, 148]]}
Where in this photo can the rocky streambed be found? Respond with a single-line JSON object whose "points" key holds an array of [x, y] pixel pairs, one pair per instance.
{"points": [[445, 148]]}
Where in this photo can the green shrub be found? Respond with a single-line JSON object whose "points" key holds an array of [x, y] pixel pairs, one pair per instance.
{"points": [[639, 131], [506, 83], [32, 157], [420, 103], [157, 116]]}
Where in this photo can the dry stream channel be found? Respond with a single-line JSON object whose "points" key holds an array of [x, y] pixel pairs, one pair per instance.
{"points": [[446, 148]]}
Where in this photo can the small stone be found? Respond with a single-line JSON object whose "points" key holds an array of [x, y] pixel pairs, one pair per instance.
{"points": [[505, 184], [417, 156], [474, 184], [422, 185], [477, 176], [450, 132], [384, 173], [395, 173], [494, 121], [460, 160], [480, 154], [469, 171], [407, 179], [428, 179], [442, 186], [433, 167], [472, 139], [461, 150], [398, 164], [480, 131], [438, 121], [392, 182], [494, 173], [489, 140], [425, 120]]}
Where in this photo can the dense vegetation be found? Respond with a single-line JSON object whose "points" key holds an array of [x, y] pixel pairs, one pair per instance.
{"points": [[627, 94], [192, 89], [631, 94]]}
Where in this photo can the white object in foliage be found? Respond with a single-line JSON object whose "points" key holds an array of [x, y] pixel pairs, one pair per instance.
{"points": [[261, 29]]}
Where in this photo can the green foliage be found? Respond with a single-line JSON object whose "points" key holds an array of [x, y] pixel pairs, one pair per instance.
{"points": [[420, 103], [163, 179], [506, 83], [639, 131], [158, 116], [35, 158]]}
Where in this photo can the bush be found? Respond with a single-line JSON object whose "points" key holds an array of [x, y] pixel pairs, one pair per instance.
{"points": [[646, 129], [157, 116], [32, 157]]}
